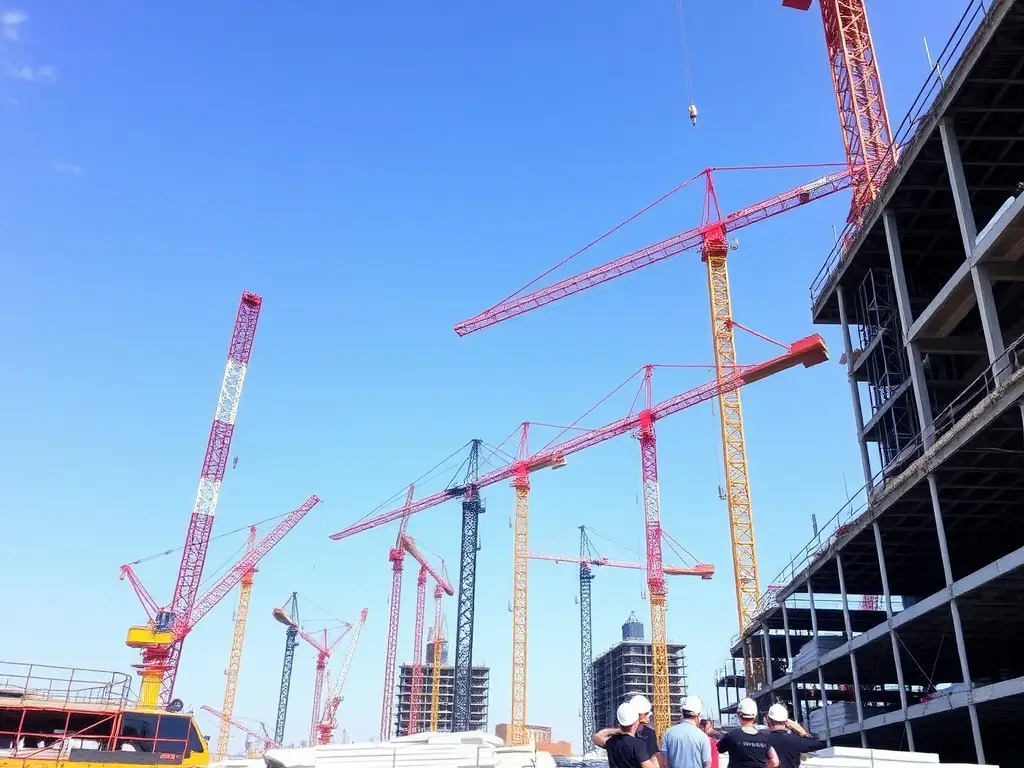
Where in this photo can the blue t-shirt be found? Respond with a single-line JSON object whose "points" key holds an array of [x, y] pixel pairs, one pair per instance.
{"points": [[686, 746]]}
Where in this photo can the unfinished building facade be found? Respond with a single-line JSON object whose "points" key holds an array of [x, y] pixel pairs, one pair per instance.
{"points": [[627, 669], [897, 627], [480, 683]]}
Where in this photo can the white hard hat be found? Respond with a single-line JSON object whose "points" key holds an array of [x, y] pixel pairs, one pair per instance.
{"points": [[692, 706], [778, 713], [747, 708], [640, 704], [626, 714]]}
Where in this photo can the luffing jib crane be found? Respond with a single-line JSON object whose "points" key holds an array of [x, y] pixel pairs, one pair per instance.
{"points": [[472, 507], [235, 657], [863, 116], [166, 629], [808, 351], [291, 642], [586, 561], [159, 656], [442, 587], [268, 743], [710, 240], [329, 719]]}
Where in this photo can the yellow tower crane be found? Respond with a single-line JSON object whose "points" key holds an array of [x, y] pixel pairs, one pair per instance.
{"points": [[235, 659], [435, 683]]}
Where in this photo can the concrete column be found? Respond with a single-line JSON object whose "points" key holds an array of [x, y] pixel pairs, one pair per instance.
{"points": [[793, 695], [767, 653], [969, 234], [921, 397], [789, 644], [858, 413], [821, 675], [882, 572], [849, 636]]}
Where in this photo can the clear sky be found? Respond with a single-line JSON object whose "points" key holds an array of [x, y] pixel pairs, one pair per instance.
{"points": [[379, 171]]}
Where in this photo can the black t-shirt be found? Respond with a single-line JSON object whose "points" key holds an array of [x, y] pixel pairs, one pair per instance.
{"points": [[649, 737], [745, 750], [789, 747], [625, 751]]}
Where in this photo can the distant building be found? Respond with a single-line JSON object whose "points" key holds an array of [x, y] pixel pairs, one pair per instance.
{"points": [[538, 734], [479, 693], [626, 669]]}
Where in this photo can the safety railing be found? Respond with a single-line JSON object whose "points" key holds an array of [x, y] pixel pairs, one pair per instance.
{"points": [[921, 107], [1011, 361], [64, 685]]}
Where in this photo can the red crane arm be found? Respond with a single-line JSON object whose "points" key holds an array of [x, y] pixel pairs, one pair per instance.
{"points": [[150, 605], [703, 570], [807, 351], [230, 579], [689, 240], [412, 549], [270, 743]]}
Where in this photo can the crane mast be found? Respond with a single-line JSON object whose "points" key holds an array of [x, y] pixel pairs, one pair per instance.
{"points": [[413, 723], [235, 657], [586, 644], [435, 677], [291, 642], [520, 557], [396, 555], [469, 545], [218, 448]]}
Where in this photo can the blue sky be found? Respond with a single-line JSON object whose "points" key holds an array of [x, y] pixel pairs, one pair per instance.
{"points": [[378, 172]]}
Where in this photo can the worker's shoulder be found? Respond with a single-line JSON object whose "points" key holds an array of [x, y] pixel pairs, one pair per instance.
{"points": [[685, 732]]}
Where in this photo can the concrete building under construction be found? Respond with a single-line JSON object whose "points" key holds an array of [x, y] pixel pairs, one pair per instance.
{"points": [[627, 669], [897, 627], [479, 693]]}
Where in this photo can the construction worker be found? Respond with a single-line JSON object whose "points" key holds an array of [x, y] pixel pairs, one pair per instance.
{"points": [[747, 747], [686, 745], [624, 749], [645, 730], [788, 737], [713, 735]]}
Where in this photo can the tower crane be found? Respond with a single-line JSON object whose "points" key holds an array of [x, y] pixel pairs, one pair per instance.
{"points": [[291, 642], [166, 629], [808, 351], [710, 240], [435, 677], [328, 720], [863, 116], [396, 555], [161, 653], [268, 743], [587, 560], [235, 657], [442, 587]]}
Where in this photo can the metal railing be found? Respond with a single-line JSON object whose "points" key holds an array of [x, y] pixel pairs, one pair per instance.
{"points": [[63, 685], [1006, 365], [921, 107]]}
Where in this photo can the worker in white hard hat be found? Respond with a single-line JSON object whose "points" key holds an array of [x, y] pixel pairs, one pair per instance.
{"points": [[748, 747], [624, 749], [788, 737], [645, 730], [685, 745]]}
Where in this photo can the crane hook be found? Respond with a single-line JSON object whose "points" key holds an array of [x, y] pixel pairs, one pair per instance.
{"points": [[693, 114]]}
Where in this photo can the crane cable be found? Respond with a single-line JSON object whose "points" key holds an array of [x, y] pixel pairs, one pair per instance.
{"points": [[681, 16]]}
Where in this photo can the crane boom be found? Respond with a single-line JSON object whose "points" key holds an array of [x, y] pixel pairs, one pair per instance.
{"points": [[218, 448], [808, 351], [703, 570], [690, 240], [268, 743], [328, 723], [863, 116]]}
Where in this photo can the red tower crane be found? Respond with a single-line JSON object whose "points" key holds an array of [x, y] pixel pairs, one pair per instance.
{"points": [[443, 587], [328, 720], [161, 634], [197, 539], [863, 116], [268, 743], [808, 351], [396, 555]]}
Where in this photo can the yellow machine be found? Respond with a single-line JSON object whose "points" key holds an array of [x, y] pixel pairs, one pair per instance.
{"points": [[55, 717]]}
